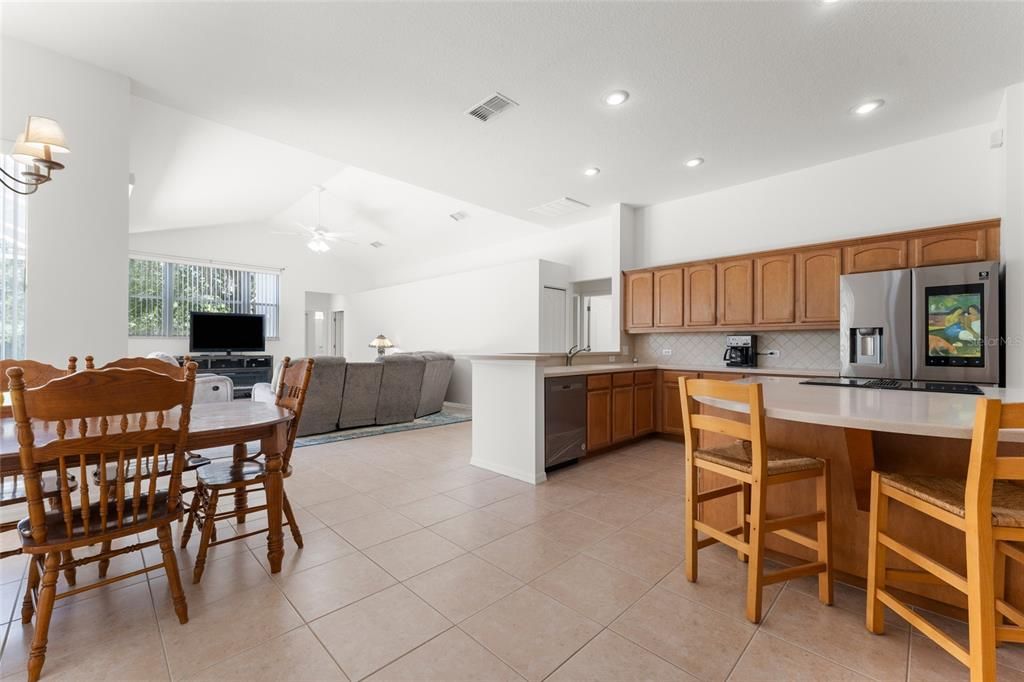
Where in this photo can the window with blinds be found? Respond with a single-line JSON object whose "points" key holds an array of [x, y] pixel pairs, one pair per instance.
{"points": [[162, 294], [13, 253]]}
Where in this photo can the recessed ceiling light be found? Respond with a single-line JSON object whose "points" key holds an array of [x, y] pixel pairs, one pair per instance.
{"points": [[694, 162], [616, 97], [829, 2], [867, 107], [591, 172]]}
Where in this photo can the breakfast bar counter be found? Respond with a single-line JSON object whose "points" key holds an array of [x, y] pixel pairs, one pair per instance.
{"points": [[860, 430]]}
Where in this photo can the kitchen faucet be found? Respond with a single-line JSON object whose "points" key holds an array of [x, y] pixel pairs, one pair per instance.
{"points": [[573, 352]]}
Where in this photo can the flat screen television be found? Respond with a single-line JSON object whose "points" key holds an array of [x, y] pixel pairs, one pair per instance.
{"points": [[226, 332]]}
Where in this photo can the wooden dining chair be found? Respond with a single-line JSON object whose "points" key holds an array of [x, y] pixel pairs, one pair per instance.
{"points": [[12, 484], [91, 419], [192, 461], [755, 466], [249, 474], [988, 507]]}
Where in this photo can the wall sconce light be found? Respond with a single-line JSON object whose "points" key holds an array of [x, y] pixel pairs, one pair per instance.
{"points": [[35, 147]]}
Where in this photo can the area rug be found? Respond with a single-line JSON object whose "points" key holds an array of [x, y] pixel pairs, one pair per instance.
{"points": [[442, 418]]}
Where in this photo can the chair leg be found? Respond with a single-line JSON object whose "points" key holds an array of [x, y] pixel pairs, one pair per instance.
{"points": [[823, 486], [981, 602], [877, 523], [1000, 585], [186, 532], [27, 604], [690, 517], [70, 572], [163, 533], [47, 593], [744, 511], [204, 544], [290, 517], [104, 564], [755, 569]]}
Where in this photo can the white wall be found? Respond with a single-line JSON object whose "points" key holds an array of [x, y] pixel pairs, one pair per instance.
{"points": [[490, 310], [78, 224], [940, 180], [1012, 234], [252, 245]]}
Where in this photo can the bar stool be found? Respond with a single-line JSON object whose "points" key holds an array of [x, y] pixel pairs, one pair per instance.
{"points": [[755, 466], [988, 507]]}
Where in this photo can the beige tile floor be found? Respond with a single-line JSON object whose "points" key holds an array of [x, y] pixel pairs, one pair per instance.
{"points": [[418, 566]]}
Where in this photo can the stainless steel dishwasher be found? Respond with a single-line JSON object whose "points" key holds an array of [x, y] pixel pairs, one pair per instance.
{"points": [[565, 420]]}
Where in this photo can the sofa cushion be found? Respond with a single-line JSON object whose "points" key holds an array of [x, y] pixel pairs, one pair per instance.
{"points": [[400, 387], [359, 399], [437, 374], [323, 397]]}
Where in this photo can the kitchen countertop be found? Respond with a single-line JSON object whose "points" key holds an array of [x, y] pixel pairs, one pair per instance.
{"points": [[911, 412], [629, 367]]}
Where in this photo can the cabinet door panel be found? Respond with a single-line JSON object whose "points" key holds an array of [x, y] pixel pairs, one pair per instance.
{"points": [[643, 405], [599, 419], [639, 300], [622, 413], [736, 292], [952, 247], [671, 407], [875, 256], [699, 295], [774, 289], [668, 298], [817, 285]]}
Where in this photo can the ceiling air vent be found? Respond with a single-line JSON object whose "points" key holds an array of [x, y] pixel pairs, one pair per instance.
{"points": [[491, 107], [560, 207], [459, 216], [376, 245]]}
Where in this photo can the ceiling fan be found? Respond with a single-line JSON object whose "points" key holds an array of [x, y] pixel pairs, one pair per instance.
{"points": [[318, 235]]}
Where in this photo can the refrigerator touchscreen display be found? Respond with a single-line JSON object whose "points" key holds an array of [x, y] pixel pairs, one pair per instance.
{"points": [[955, 326]]}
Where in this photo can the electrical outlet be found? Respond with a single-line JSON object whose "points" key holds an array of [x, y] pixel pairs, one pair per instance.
{"points": [[612, 358], [666, 351], [773, 353]]}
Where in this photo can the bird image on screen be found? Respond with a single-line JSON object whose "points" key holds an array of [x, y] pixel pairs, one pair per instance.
{"points": [[226, 332]]}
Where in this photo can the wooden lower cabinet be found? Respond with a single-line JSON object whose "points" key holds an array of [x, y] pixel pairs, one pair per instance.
{"points": [[622, 413], [599, 419], [670, 414], [643, 403]]}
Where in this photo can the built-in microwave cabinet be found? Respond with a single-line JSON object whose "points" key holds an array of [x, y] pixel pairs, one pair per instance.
{"points": [[874, 256]]}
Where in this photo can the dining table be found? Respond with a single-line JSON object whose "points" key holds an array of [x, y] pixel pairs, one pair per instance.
{"points": [[212, 425]]}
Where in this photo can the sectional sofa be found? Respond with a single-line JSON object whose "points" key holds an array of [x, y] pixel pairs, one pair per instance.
{"points": [[398, 388]]}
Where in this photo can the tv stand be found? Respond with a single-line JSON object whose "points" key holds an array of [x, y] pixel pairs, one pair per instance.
{"points": [[245, 370]]}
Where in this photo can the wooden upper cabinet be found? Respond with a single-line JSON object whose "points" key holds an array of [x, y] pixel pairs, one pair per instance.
{"points": [[668, 298], [874, 256], [736, 292], [817, 285], [699, 297], [774, 289], [639, 300], [951, 247]]}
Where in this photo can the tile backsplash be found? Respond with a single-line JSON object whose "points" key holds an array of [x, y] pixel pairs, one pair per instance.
{"points": [[799, 349]]}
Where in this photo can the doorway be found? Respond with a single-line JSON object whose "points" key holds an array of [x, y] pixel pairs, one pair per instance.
{"points": [[338, 333]]}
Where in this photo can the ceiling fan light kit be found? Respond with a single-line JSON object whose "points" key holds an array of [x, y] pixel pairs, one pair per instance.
{"points": [[34, 148]]}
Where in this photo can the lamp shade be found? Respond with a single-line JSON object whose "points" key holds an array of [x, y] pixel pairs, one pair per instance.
{"points": [[22, 153], [41, 132], [381, 342]]}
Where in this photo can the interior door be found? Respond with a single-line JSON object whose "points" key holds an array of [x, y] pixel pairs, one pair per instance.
{"points": [[338, 336], [552, 320]]}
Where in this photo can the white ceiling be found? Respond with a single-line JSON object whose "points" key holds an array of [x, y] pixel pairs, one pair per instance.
{"points": [[756, 88], [190, 171]]}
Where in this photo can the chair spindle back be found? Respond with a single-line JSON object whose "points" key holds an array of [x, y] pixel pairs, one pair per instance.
{"points": [[35, 374], [291, 394], [112, 416]]}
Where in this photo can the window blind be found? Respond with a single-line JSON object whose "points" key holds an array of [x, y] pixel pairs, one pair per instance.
{"points": [[13, 255]]}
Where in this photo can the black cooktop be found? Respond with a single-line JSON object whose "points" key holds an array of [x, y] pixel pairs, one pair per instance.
{"points": [[899, 385]]}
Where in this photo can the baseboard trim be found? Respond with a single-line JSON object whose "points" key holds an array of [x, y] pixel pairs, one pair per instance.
{"points": [[458, 406], [525, 476]]}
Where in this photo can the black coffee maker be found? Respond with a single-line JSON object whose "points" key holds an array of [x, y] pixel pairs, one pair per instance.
{"points": [[740, 350]]}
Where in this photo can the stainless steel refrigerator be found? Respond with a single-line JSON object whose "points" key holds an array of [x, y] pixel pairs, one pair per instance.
{"points": [[937, 324]]}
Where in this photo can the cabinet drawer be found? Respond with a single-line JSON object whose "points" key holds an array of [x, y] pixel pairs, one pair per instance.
{"points": [[672, 376], [644, 377], [599, 381], [622, 379]]}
